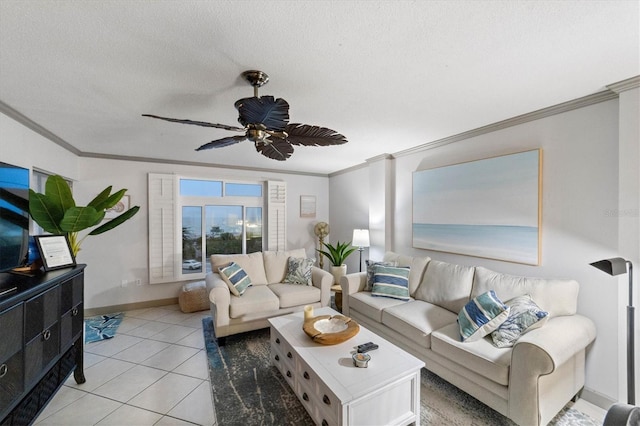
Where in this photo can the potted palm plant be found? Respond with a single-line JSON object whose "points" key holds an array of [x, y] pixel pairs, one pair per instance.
{"points": [[337, 255], [56, 211]]}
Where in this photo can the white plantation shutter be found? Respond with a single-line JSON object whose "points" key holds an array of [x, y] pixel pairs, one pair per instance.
{"points": [[162, 228], [277, 219]]}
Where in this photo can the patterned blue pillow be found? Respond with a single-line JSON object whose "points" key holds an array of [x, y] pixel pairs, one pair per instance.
{"points": [[299, 271], [482, 315], [524, 315], [391, 281], [235, 277]]}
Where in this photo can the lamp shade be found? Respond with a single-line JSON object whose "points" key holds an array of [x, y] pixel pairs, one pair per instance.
{"points": [[360, 238], [614, 266]]}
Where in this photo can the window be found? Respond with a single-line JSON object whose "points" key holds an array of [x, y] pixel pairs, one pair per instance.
{"points": [[191, 219], [218, 217]]}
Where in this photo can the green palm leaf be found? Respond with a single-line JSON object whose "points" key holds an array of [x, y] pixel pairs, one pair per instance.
{"points": [[116, 221], [46, 213], [79, 218], [56, 211]]}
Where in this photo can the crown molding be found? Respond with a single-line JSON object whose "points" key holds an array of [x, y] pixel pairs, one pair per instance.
{"points": [[193, 163], [624, 85], [348, 169], [32, 125], [582, 102], [380, 158], [603, 96]]}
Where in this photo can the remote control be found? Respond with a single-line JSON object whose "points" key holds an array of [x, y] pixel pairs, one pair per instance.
{"points": [[366, 347]]}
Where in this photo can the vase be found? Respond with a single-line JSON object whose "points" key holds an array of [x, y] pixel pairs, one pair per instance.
{"points": [[338, 272]]}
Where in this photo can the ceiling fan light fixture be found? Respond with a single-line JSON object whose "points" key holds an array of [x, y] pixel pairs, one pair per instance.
{"points": [[263, 117]]}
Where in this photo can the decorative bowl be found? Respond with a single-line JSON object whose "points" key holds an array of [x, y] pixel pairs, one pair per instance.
{"points": [[330, 330]]}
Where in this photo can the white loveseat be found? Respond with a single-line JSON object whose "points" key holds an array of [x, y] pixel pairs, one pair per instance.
{"points": [[528, 382], [267, 296]]}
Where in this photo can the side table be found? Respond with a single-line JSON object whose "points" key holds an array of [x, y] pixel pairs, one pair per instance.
{"points": [[338, 296]]}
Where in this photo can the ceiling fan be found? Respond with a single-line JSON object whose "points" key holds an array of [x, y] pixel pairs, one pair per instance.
{"points": [[266, 123]]}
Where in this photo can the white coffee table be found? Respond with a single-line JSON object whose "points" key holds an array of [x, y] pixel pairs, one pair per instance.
{"points": [[333, 390]]}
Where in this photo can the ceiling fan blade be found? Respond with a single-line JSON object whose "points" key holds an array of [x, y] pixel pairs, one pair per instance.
{"points": [[221, 143], [304, 134], [278, 150], [196, 123], [272, 113]]}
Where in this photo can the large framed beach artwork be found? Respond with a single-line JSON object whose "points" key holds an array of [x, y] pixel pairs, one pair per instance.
{"points": [[487, 208]]}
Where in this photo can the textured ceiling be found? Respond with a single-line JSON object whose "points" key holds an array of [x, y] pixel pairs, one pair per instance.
{"points": [[389, 75]]}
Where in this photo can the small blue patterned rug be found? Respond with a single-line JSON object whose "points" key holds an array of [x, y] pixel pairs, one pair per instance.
{"points": [[101, 327], [248, 390]]}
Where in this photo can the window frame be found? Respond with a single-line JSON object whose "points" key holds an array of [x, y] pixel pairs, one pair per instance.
{"points": [[203, 201]]}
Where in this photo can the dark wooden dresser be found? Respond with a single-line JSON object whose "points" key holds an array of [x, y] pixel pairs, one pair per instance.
{"points": [[41, 340]]}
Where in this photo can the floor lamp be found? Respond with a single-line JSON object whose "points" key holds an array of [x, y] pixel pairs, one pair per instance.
{"points": [[360, 240], [618, 266]]}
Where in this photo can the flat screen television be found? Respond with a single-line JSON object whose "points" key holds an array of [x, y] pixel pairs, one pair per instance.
{"points": [[14, 216]]}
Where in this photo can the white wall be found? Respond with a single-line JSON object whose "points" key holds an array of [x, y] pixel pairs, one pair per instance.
{"points": [[349, 209], [23, 147], [122, 253], [580, 180]]}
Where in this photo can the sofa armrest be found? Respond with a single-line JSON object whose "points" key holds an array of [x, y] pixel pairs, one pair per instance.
{"points": [[323, 280], [540, 352], [219, 298], [351, 283]]}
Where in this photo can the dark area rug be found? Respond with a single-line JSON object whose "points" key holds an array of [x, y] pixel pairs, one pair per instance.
{"points": [[248, 390]]}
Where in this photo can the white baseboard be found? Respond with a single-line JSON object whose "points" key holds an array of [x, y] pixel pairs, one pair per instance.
{"points": [[130, 306], [596, 398]]}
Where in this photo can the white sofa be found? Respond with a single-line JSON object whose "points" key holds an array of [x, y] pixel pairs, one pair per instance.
{"points": [[529, 382], [266, 297]]}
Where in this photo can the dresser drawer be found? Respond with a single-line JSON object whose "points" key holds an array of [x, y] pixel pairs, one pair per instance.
{"points": [[284, 359], [328, 404], [307, 395]]}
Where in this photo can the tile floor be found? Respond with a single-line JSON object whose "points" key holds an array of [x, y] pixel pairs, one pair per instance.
{"points": [[154, 373]]}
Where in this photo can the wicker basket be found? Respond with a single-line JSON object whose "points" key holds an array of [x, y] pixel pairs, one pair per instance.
{"points": [[193, 297]]}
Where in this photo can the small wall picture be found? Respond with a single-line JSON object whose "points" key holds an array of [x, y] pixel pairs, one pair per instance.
{"points": [[121, 207], [307, 206]]}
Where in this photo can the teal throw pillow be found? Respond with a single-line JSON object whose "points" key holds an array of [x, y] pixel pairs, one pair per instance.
{"points": [[524, 315], [235, 277], [299, 271], [482, 315], [391, 281]]}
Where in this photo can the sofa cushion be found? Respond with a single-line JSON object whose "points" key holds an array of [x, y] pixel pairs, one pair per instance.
{"points": [[369, 306], [251, 263], [482, 315], [391, 281], [480, 356], [446, 285], [416, 320], [417, 265], [558, 297], [371, 270], [299, 271], [276, 263], [524, 315], [235, 277], [295, 295], [255, 299]]}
